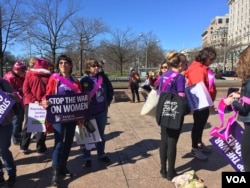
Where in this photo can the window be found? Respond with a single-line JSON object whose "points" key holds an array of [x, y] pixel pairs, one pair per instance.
{"points": [[220, 21]]}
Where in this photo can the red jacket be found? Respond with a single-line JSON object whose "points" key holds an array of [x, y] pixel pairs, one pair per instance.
{"points": [[34, 86], [15, 81], [198, 72], [52, 86]]}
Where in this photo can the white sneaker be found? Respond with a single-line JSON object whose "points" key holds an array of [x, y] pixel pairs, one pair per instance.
{"points": [[198, 154]]}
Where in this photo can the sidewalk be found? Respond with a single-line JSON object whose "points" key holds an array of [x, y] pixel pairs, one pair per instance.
{"points": [[133, 146]]}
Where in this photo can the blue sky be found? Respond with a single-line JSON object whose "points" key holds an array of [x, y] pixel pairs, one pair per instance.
{"points": [[178, 24]]}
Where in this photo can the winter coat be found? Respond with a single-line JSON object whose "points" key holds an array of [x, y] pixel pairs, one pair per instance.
{"points": [[34, 86], [197, 72]]}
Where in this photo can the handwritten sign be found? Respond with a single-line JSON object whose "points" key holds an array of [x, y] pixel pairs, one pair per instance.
{"points": [[6, 104], [65, 108], [36, 118]]}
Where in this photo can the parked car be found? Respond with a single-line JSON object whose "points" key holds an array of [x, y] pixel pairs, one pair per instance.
{"points": [[229, 75]]}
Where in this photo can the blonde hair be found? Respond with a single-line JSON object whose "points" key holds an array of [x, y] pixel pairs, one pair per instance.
{"points": [[173, 59], [32, 62]]}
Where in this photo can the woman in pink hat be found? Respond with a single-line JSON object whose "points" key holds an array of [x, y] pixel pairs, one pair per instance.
{"points": [[34, 88], [16, 79]]}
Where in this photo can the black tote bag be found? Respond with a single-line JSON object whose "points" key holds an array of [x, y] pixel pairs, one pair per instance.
{"points": [[171, 109]]}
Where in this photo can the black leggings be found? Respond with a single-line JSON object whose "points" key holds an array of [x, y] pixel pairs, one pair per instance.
{"points": [[168, 143], [134, 90], [245, 147], [200, 120]]}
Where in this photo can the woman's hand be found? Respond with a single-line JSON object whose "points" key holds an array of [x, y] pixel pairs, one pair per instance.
{"points": [[45, 103], [229, 100]]}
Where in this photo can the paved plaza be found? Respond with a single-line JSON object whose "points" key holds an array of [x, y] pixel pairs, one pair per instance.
{"points": [[133, 146]]}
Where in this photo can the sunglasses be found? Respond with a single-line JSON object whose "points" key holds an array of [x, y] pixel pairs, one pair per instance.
{"points": [[164, 67], [64, 62]]}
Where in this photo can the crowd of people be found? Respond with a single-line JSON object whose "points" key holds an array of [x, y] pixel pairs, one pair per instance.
{"points": [[32, 84], [191, 74]]}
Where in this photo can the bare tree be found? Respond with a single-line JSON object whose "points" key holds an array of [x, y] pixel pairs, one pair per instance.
{"points": [[120, 49], [50, 26], [85, 32], [152, 53], [12, 22]]}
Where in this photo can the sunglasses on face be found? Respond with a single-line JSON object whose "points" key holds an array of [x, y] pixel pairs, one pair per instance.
{"points": [[64, 62], [164, 67]]}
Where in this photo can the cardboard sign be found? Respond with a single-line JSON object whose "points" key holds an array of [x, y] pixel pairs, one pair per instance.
{"points": [[84, 137], [66, 108], [231, 149], [6, 104], [36, 118]]}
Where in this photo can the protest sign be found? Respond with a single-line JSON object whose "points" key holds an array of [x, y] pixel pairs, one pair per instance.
{"points": [[65, 108], [6, 104], [230, 149], [36, 118], [198, 97], [84, 137]]}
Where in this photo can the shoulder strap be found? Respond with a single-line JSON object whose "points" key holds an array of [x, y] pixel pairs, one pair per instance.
{"points": [[168, 80], [67, 83], [97, 85]]}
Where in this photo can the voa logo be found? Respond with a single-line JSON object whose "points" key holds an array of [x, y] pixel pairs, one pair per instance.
{"points": [[236, 179]]}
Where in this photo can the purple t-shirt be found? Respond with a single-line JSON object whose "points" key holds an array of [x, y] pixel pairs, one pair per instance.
{"points": [[64, 89], [179, 85]]}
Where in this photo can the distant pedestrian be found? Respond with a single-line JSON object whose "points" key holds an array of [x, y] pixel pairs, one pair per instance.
{"points": [[163, 67], [198, 71], [134, 80], [16, 79], [243, 72]]}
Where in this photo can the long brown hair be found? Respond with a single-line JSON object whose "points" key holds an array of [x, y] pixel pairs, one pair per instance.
{"points": [[243, 65]]}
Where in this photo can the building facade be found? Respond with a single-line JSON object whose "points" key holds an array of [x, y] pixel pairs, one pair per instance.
{"points": [[229, 34]]}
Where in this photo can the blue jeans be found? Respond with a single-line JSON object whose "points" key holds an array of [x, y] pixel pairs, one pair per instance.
{"points": [[64, 135], [17, 126], [101, 120], [7, 157]]}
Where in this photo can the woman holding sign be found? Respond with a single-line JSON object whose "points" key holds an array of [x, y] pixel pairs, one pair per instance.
{"points": [[62, 84], [243, 106], [101, 95]]}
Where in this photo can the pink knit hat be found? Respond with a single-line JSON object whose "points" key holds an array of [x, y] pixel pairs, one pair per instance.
{"points": [[41, 64], [19, 65]]}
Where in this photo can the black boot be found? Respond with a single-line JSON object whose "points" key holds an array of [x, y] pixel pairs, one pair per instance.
{"points": [[2, 181], [163, 172], [55, 177], [64, 170]]}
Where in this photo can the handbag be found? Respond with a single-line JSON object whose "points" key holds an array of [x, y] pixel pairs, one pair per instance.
{"points": [[149, 107], [198, 97], [170, 109]]}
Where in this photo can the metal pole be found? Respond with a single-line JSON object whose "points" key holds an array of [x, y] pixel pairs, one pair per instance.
{"points": [[81, 49]]}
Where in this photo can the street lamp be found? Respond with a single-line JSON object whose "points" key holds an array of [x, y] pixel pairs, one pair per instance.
{"points": [[147, 43]]}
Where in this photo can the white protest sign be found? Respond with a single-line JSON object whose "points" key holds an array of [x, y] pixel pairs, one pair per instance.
{"points": [[84, 137], [36, 118]]}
